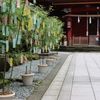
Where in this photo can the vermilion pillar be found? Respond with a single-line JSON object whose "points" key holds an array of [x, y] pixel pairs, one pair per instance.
{"points": [[69, 26]]}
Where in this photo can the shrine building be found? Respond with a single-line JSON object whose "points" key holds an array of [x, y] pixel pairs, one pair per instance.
{"points": [[81, 18]]}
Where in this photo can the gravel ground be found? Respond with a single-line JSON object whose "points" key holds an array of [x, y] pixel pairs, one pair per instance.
{"points": [[21, 91]]}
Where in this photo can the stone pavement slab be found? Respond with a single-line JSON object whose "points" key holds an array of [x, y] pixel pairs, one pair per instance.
{"points": [[79, 80]]}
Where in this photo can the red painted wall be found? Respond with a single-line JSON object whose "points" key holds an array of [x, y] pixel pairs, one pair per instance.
{"points": [[79, 29]]}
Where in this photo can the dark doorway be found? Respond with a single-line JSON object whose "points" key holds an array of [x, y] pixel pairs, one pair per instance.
{"points": [[92, 28]]}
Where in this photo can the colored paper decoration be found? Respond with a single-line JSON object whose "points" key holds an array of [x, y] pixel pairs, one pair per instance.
{"points": [[43, 50], [13, 7], [14, 42], [23, 26], [38, 23], [21, 59], [4, 20], [34, 19], [3, 49], [26, 3], [11, 20], [53, 47], [7, 31], [15, 20], [11, 62], [46, 49], [34, 50], [50, 45], [31, 42], [48, 33], [18, 3], [7, 45], [34, 1], [3, 30], [29, 26], [3, 7], [38, 42], [54, 33], [43, 24], [25, 11], [19, 39], [33, 27], [18, 23], [0, 2]]}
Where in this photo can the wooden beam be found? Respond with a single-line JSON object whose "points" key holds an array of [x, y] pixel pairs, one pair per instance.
{"points": [[73, 3], [70, 15]]}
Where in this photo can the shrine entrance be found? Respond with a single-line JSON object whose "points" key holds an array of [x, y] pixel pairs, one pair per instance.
{"points": [[92, 28]]}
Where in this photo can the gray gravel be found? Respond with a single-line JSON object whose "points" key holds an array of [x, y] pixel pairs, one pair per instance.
{"points": [[21, 91]]}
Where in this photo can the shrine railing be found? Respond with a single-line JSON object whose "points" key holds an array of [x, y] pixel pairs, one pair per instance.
{"points": [[79, 41]]}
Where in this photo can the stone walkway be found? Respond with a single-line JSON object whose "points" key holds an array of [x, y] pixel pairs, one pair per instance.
{"points": [[78, 79]]}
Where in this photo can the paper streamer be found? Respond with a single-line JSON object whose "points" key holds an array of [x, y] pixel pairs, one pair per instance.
{"points": [[21, 59], [31, 42], [43, 50], [0, 2], [26, 3], [4, 20], [38, 23], [43, 25], [54, 33], [34, 49], [14, 43], [7, 31], [15, 20], [3, 49], [7, 45], [3, 30], [19, 39], [46, 48], [53, 47], [48, 33], [50, 45], [38, 42], [29, 26], [18, 23], [13, 7], [11, 20], [23, 26], [34, 1], [18, 3], [34, 19], [33, 27], [11, 62], [31, 21], [24, 11], [3, 7]]}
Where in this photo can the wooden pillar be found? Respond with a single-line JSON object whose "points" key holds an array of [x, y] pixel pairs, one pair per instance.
{"points": [[69, 26]]}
